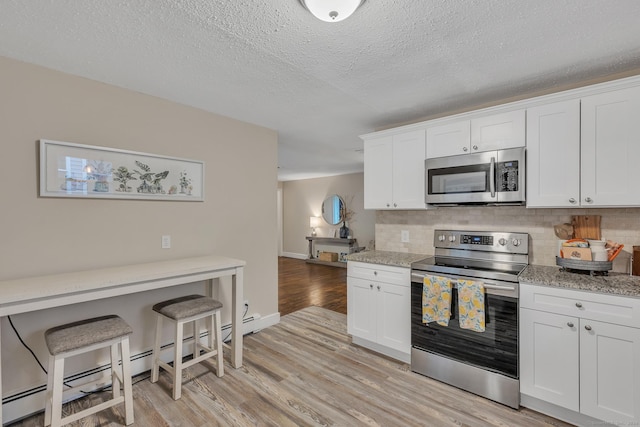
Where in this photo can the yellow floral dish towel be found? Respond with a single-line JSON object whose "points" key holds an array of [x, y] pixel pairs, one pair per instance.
{"points": [[436, 300], [471, 305]]}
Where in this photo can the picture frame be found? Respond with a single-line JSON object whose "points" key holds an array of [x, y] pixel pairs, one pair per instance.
{"points": [[86, 171]]}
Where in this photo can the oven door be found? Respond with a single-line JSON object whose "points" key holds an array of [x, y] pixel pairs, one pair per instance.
{"points": [[494, 350]]}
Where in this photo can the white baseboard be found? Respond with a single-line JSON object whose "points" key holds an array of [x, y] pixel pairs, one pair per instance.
{"points": [[562, 414], [28, 402], [295, 255]]}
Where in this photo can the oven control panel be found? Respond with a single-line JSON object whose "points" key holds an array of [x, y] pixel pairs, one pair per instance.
{"points": [[489, 241], [476, 239]]}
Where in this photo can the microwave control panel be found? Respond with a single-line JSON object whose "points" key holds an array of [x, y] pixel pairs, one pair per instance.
{"points": [[507, 176]]}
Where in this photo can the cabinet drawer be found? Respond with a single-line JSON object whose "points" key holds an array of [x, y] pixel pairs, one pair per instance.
{"points": [[379, 273], [586, 305]]}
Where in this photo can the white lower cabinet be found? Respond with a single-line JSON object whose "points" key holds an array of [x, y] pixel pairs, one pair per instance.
{"points": [[549, 358], [379, 308], [581, 351]]}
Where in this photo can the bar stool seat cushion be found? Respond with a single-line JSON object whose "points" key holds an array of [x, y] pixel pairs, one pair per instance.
{"points": [[73, 336], [187, 306]]}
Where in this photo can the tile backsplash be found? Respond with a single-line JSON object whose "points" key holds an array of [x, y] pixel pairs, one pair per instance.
{"points": [[618, 224]]}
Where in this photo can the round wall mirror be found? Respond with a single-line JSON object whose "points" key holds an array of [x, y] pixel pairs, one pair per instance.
{"points": [[333, 210]]}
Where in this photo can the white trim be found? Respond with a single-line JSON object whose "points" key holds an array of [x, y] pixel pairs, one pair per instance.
{"points": [[516, 105], [265, 322], [560, 413], [280, 222], [382, 349], [295, 255]]}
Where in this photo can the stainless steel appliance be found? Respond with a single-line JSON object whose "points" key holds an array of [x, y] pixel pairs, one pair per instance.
{"points": [[484, 363], [492, 177]]}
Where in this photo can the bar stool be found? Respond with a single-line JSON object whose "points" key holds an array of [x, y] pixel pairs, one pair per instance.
{"points": [[80, 337], [191, 308]]}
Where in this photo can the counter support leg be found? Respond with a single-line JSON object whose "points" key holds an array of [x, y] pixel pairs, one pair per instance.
{"points": [[237, 310]]}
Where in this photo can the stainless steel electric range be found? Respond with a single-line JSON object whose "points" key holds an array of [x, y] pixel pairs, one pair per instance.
{"points": [[484, 363]]}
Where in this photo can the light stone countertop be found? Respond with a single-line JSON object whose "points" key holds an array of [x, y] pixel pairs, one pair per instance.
{"points": [[398, 259], [543, 275], [613, 284]]}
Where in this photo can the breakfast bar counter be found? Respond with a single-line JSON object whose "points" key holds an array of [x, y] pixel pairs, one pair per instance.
{"points": [[39, 293]]}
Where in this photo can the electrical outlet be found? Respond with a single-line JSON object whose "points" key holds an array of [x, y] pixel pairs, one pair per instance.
{"points": [[404, 236], [166, 242]]}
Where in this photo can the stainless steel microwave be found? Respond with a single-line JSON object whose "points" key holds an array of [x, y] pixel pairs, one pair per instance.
{"points": [[491, 177]]}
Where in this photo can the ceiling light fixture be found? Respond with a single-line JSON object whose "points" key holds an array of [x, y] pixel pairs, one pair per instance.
{"points": [[332, 10]]}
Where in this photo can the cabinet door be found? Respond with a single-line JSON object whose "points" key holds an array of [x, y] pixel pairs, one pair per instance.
{"points": [[610, 372], [553, 155], [394, 316], [611, 148], [498, 131], [549, 360], [378, 173], [448, 140], [361, 308], [408, 170]]}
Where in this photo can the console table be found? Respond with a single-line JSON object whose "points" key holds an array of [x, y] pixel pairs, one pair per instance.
{"points": [[334, 241], [39, 293]]}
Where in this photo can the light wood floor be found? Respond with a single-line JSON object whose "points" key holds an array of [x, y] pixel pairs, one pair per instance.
{"points": [[304, 371]]}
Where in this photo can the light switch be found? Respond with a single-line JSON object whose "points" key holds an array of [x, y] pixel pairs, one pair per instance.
{"points": [[404, 236], [166, 242]]}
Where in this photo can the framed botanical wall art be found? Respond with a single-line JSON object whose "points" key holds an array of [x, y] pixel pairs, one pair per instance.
{"points": [[77, 170]]}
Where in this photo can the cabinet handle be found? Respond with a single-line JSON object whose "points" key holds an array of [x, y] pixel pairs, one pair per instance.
{"points": [[465, 149], [395, 205], [475, 147], [588, 199], [378, 287], [371, 286], [375, 273], [572, 201], [587, 327], [570, 324], [388, 205], [579, 304]]}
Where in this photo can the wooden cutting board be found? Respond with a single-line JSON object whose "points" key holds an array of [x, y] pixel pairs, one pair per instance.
{"points": [[586, 227]]}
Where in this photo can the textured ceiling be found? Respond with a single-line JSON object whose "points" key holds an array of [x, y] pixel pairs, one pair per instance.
{"points": [[320, 85]]}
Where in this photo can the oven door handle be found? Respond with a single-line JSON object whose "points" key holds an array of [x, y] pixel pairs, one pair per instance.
{"points": [[419, 278], [499, 288], [492, 177]]}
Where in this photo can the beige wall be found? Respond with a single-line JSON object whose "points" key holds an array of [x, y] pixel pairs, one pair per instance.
{"points": [[51, 235], [303, 199], [620, 225]]}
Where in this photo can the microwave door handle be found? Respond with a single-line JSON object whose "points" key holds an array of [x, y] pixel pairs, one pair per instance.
{"points": [[492, 177]]}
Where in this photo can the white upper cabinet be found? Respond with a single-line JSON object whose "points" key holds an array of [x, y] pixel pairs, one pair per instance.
{"points": [[378, 172], [494, 132], [584, 152], [394, 171], [610, 150], [448, 140], [553, 154], [498, 131], [583, 148]]}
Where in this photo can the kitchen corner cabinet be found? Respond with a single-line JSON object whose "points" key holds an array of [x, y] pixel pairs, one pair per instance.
{"points": [[493, 132], [379, 308], [394, 171], [583, 152], [580, 351]]}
